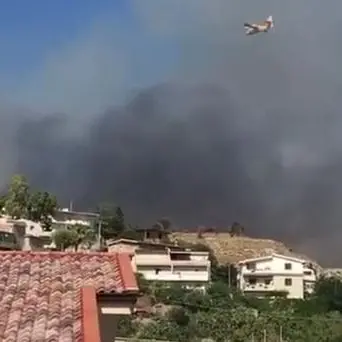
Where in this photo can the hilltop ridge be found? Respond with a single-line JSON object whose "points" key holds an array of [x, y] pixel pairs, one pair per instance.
{"points": [[231, 249]]}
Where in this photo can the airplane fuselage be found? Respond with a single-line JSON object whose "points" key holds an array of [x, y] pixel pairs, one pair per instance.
{"points": [[257, 29]]}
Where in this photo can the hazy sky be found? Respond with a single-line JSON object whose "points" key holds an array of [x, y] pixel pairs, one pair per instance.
{"points": [[263, 147]]}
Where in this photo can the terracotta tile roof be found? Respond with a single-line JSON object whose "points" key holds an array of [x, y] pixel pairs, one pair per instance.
{"points": [[40, 293]]}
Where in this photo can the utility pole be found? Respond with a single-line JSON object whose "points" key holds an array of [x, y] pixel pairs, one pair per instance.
{"points": [[229, 276], [265, 335], [99, 233], [281, 334]]}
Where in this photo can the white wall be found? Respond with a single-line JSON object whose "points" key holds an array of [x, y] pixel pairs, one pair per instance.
{"points": [[160, 273], [274, 270], [275, 265]]}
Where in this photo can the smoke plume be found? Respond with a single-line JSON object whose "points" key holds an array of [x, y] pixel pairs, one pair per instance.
{"points": [[181, 115]]}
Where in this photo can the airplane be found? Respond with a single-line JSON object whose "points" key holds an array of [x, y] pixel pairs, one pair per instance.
{"points": [[251, 29]]}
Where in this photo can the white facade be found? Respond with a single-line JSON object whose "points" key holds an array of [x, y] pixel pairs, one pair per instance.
{"points": [[188, 267], [276, 273]]}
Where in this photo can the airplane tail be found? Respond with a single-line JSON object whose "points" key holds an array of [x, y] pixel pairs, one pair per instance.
{"points": [[270, 21]]}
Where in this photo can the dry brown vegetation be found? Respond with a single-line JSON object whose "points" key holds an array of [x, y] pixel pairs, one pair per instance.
{"points": [[231, 249]]}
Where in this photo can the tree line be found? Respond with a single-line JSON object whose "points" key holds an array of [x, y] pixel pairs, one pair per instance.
{"points": [[224, 314]]}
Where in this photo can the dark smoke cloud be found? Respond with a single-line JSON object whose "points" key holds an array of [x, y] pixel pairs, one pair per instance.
{"points": [[246, 129]]}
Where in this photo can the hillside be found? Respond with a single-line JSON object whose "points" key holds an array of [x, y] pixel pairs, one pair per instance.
{"points": [[230, 249]]}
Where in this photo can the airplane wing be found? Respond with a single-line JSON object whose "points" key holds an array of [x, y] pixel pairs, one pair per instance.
{"points": [[253, 26]]}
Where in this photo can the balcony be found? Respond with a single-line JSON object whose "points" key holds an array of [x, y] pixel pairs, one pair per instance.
{"points": [[309, 275], [191, 263], [258, 287], [258, 271], [149, 261], [176, 276]]}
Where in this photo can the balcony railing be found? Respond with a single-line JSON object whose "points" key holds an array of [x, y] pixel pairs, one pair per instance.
{"points": [[259, 287]]}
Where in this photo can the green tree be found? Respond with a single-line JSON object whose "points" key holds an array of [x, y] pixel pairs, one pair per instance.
{"points": [[2, 204], [73, 236], [126, 327], [64, 238], [112, 221], [163, 329], [17, 197], [83, 235], [179, 315], [41, 206], [328, 293]]}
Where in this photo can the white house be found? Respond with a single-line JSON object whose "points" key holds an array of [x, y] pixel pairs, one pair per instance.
{"points": [[276, 273], [191, 268], [65, 217]]}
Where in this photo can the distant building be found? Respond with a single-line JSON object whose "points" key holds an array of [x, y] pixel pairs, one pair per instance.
{"points": [[130, 245], [332, 273], [64, 217], [156, 234], [30, 236], [166, 262], [275, 274], [191, 268]]}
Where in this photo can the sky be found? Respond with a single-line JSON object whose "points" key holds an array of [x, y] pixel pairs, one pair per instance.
{"points": [[187, 117], [42, 41], [30, 30]]}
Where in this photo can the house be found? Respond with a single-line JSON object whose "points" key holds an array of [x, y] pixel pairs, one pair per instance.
{"points": [[30, 235], [332, 273], [65, 217], [191, 268], [276, 274], [69, 297], [130, 246], [156, 233], [158, 261]]}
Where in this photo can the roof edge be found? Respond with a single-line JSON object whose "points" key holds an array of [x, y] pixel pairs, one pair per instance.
{"points": [[90, 315], [129, 281], [270, 256]]}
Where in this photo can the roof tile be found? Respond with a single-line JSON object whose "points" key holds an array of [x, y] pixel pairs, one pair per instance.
{"points": [[40, 297]]}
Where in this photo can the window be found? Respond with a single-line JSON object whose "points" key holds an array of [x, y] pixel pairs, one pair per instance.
{"points": [[147, 235], [267, 281], [288, 282], [250, 266], [288, 266], [157, 270], [252, 281]]}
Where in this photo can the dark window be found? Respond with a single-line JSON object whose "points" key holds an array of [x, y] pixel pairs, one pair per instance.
{"points": [[288, 282], [160, 235], [267, 281], [147, 235], [157, 270], [250, 266], [252, 281], [288, 266]]}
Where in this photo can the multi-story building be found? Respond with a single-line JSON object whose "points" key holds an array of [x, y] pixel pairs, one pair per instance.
{"points": [[276, 274], [191, 268], [64, 217], [29, 235]]}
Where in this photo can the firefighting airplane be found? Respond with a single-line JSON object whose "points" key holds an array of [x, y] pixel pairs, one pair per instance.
{"points": [[258, 28]]}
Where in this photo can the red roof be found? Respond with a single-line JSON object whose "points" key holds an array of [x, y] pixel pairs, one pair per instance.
{"points": [[41, 293]]}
